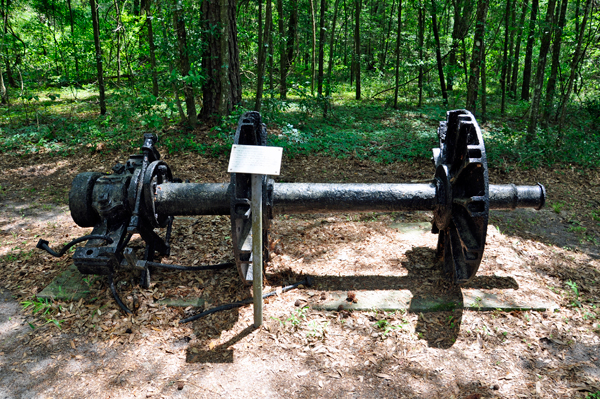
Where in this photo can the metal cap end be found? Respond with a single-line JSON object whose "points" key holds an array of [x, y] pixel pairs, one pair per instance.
{"points": [[543, 199]]}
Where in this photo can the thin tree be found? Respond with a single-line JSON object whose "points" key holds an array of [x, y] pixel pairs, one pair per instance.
{"points": [[477, 56], [511, 42], [118, 30], [292, 34], [507, 13], [515, 66], [75, 53], [529, 51], [463, 9], [556, 45], [322, 30], [151, 48], [483, 72], [96, 29], [184, 63], [421, 40], [262, 55], [3, 90], [314, 46], [398, 37], [540, 71], [182, 116], [283, 62], [331, 52], [357, 7], [387, 35], [577, 57], [438, 53]]}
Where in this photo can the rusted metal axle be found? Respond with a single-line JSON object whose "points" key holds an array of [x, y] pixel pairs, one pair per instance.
{"points": [[142, 195], [179, 199]]}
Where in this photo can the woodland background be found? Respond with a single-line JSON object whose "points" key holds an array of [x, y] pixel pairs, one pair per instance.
{"points": [[361, 78]]}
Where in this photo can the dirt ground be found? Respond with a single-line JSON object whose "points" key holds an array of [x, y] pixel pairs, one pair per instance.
{"points": [[88, 348]]}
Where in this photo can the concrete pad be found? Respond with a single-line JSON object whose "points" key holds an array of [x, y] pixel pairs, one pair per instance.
{"points": [[412, 228], [182, 302], [68, 286], [404, 300]]}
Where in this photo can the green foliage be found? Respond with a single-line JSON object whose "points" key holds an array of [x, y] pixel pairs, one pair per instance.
{"points": [[297, 316], [316, 329], [575, 291], [45, 308], [509, 146]]}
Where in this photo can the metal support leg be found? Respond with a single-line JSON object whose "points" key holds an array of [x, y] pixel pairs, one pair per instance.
{"points": [[257, 248]]}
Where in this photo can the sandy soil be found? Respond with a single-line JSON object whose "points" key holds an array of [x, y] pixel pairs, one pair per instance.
{"points": [[301, 352]]}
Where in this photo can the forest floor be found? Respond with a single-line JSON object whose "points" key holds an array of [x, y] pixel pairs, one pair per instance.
{"points": [[551, 255]]}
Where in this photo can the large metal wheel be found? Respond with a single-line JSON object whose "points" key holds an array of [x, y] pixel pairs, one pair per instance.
{"points": [[461, 177], [250, 131]]}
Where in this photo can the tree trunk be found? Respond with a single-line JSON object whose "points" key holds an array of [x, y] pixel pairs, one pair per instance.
{"points": [[511, 42], [262, 55], [438, 53], [321, 47], [398, 37], [387, 37], [292, 34], [314, 46], [3, 90], [515, 67], [182, 116], [551, 86], [184, 63], [96, 28], [357, 5], [507, 13], [529, 52], [75, 54], [151, 49], [477, 56], [541, 69], [577, 56], [331, 48], [118, 32], [283, 62], [462, 14], [421, 29], [483, 85], [222, 90]]}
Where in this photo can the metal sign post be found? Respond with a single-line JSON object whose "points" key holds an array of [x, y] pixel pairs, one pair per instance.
{"points": [[257, 161], [257, 249]]}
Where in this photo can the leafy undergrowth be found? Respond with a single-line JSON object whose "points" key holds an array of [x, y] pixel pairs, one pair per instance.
{"points": [[67, 122]]}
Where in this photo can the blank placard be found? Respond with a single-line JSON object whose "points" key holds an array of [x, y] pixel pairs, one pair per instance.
{"points": [[254, 159]]}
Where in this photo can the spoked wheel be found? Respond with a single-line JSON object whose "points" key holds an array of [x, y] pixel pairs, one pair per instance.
{"points": [[461, 177], [250, 131]]}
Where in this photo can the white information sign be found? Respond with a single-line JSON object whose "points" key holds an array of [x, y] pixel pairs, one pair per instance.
{"points": [[255, 159]]}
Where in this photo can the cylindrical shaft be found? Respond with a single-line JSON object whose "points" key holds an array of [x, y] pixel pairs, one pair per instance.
{"points": [[509, 196], [179, 199], [293, 198]]}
